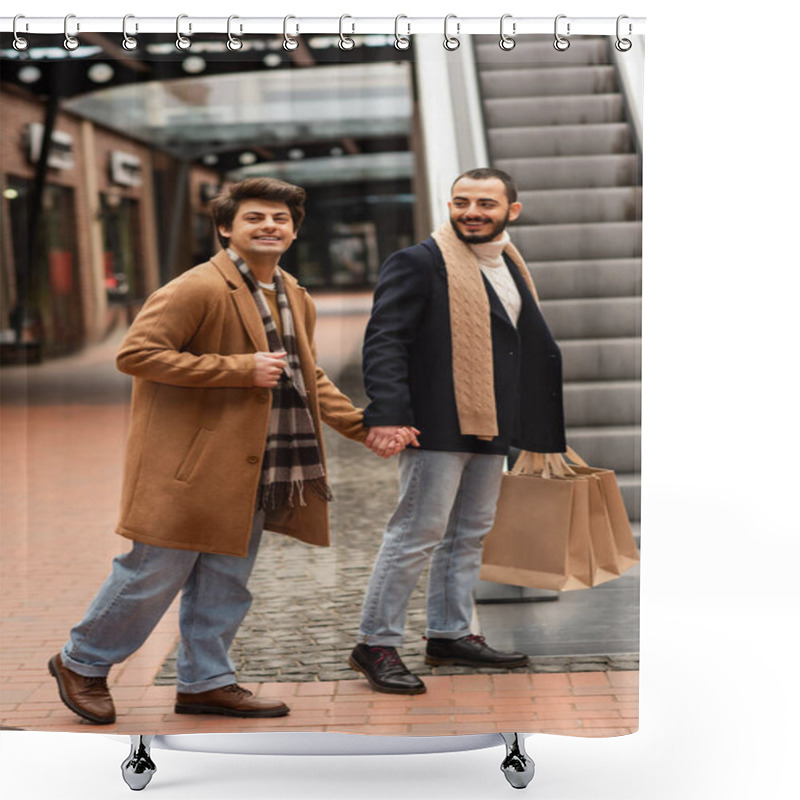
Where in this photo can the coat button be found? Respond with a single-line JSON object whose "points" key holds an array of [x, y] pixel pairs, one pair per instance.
{"points": [[252, 459]]}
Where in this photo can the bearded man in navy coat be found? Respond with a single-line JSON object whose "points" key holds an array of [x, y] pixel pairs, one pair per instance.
{"points": [[457, 349]]}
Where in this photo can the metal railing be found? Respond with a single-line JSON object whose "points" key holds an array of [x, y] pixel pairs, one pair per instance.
{"points": [[451, 118]]}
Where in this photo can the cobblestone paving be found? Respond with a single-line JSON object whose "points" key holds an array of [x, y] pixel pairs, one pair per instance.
{"points": [[307, 600]]}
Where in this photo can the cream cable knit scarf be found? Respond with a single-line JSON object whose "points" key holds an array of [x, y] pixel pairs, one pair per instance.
{"points": [[471, 332]]}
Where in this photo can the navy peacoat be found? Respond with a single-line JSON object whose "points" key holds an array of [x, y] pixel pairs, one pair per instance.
{"points": [[408, 361]]}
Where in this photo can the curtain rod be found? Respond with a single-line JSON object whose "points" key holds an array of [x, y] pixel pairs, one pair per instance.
{"points": [[452, 25]]}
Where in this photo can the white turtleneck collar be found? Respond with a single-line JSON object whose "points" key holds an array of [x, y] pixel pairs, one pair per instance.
{"points": [[490, 254]]}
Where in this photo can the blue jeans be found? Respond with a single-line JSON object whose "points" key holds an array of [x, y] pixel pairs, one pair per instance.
{"points": [[141, 587], [447, 505]]}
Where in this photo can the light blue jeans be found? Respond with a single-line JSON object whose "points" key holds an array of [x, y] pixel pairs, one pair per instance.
{"points": [[447, 505], [141, 587]]}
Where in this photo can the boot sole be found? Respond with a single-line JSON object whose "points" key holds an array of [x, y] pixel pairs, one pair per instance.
{"points": [[228, 712], [458, 662], [378, 688], [62, 693]]}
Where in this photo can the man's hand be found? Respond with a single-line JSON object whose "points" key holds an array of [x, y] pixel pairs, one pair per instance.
{"points": [[269, 367], [386, 440]]}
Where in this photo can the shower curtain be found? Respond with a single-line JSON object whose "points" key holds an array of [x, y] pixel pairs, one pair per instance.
{"points": [[138, 141]]}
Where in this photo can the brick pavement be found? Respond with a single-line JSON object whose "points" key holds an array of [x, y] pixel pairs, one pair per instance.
{"points": [[62, 432]]}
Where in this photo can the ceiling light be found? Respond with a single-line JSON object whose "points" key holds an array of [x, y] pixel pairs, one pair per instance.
{"points": [[194, 65], [100, 72], [29, 74]]}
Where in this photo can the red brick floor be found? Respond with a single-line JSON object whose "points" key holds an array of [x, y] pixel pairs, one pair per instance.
{"points": [[60, 474]]}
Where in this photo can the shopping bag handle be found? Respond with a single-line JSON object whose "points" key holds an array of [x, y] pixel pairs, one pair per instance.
{"points": [[547, 465], [575, 458]]}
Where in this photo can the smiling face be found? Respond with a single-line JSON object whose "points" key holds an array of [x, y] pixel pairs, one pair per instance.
{"points": [[480, 211], [261, 232]]}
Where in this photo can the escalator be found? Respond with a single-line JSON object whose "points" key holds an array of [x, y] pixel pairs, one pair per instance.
{"points": [[558, 122]]}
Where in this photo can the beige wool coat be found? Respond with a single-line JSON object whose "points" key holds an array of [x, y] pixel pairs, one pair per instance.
{"points": [[199, 426]]}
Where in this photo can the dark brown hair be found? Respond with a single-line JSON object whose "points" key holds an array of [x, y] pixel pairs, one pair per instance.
{"points": [[487, 173], [224, 207]]}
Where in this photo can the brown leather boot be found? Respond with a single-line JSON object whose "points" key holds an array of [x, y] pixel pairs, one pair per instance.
{"points": [[232, 701], [87, 697]]}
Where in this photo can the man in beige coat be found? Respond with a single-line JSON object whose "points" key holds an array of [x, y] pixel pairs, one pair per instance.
{"points": [[224, 442]]}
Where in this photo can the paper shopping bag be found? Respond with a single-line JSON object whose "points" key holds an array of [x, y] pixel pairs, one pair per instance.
{"points": [[541, 533], [624, 544], [605, 562]]}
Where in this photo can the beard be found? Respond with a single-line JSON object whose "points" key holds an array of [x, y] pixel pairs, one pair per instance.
{"points": [[498, 228]]}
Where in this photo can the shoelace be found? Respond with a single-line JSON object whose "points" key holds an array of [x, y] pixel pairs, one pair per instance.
{"points": [[234, 688], [97, 680], [388, 655]]}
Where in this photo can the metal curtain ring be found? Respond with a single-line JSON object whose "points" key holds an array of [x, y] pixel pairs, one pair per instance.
{"points": [[289, 43], [70, 42], [182, 42], [507, 42], [345, 42], [561, 44], [623, 45], [451, 42], [233, 43], [401, 42], [20, 42], [128, 42]]}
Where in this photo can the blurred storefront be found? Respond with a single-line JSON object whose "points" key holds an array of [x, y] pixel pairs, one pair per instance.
{"points": [[91, 238]]}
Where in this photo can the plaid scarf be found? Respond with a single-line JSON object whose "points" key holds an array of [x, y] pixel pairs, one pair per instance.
{"points": [[292, 457]]}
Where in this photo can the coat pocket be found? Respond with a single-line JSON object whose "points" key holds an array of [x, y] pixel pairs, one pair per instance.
{"points": [[196, 449]]}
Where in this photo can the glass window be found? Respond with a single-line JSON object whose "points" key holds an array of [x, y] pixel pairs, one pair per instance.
{"points": [[122, 248], [49, 288]]}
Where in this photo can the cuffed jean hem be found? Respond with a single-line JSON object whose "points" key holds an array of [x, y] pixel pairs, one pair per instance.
{"points": [[375, 640], [206, 686], [86, 670], [451, 635]]}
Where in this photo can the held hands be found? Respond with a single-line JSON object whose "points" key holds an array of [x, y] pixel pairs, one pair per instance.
{"points": [[269, 367], [386, 440]]}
